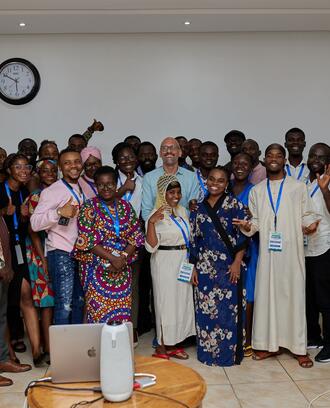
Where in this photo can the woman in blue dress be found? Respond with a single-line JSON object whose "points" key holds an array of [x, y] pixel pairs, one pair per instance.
{"points": [[241, 187], [217, 250]]}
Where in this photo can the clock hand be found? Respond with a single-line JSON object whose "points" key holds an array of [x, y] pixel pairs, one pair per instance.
{"points": [[7, 76]]}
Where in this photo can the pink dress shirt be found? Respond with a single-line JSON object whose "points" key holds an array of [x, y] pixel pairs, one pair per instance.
{"points": [[45, 216], [87, 186], [258, 174]]}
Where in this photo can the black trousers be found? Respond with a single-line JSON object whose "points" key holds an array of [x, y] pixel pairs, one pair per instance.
{"points": [[146, 305], [318, 296]]}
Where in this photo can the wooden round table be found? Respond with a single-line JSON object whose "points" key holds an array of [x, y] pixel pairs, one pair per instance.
{"points": [[174, 380]]}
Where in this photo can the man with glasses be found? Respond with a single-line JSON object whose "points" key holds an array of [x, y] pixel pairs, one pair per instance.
{"points": [[169, 152]]}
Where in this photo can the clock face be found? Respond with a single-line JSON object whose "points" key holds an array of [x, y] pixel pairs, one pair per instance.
{"points": [[19, 81]]}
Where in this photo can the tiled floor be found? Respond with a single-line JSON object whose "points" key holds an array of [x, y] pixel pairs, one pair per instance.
{"points": [[274, 383]]}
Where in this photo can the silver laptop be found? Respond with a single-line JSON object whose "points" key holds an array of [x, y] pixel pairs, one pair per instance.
{"points": [[75, 352]]}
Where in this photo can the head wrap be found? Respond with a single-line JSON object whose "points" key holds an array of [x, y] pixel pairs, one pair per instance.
{"points": [[45, 161], [90, 151]]}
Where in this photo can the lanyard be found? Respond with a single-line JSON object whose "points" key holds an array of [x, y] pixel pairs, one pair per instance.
{"points": [[128, 195], [275, 209], [114, 220], [314, 190], [15, 219], [91, 185], [72, 191], [201, 183], [185, 236], [300, 171]]}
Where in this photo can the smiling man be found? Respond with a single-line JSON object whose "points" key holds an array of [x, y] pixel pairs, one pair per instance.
{"points": [[295, 143], [56, 213], [317, 253], [281, 210], [169, 152]]}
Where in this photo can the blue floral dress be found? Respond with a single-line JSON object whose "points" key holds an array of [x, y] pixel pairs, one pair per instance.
{"points": [[253, 251], [219, 304]]}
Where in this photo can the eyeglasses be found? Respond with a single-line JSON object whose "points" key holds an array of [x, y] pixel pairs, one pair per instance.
{"points": [[126, 158], [27, 167], [170, 148], [91, 165], [108, 186]]}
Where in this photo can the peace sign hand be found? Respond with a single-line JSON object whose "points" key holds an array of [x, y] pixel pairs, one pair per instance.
{"points": [[325, 180], [157, 216]]}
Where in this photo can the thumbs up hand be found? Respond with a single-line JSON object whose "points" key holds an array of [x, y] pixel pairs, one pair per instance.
{"points": [[10, 210], [69, 210], [24, 210]]}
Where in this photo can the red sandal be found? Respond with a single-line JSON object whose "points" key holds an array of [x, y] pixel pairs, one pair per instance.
{"points": [[161, 355], [179, 353]]}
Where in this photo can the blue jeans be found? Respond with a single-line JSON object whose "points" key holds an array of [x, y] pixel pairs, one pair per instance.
{"points": [[69, 297]]}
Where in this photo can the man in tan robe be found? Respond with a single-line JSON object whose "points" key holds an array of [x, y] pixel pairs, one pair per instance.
{"points": [[279, 310]]}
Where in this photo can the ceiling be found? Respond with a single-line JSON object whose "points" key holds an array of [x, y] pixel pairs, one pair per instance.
{"points": [[163, 16]]}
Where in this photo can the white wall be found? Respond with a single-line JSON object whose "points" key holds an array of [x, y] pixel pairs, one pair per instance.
{"points": [[153, 85]]}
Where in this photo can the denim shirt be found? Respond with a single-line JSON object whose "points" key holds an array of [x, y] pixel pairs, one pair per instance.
{"points": [[186, 178]]}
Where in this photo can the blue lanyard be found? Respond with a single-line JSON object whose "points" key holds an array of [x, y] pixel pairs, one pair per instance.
{"points": [[315, 190], [75, 195], [185, 236], [114, 220], [15, 218], [91, 185], [300, 171], [201, 183], [129, 194], [278, 201]]}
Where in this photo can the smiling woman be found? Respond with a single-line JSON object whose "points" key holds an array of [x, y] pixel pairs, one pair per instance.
{"points": [[108, 235], [12, 203]]}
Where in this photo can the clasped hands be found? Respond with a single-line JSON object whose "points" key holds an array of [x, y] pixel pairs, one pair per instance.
{"points": [[118, 264]]}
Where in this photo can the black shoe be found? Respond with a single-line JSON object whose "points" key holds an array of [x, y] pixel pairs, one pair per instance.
{"points": [[18, 346], [46, 358], [39, 361], [314, 344], [324, 355]]}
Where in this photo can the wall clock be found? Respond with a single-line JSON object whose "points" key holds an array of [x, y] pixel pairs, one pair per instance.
{"points": [[19, 81]]}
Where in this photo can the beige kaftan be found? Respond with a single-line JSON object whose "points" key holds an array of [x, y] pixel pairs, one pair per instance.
{"points": [[279, 309], [174, 307]]}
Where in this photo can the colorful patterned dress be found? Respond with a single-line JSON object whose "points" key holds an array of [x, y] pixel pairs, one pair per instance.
{"points": [[42, 292], [219, 304], [107, 297]]}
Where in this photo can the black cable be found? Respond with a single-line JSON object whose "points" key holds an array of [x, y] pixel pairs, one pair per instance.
{"points": [[38, 385], [78, 404], [163, 396]]}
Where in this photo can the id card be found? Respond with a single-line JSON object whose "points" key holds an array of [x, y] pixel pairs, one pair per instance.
{"points": [[19, 255], [185, 272], [305, 240], [275, 241]]}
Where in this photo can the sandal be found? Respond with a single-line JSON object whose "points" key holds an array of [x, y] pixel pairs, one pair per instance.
{"points": [[262, 355], [179, 353], [19, 346], [161, 355], [304, 361], [248, 352]]}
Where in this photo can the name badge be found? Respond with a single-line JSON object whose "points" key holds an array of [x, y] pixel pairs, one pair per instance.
{"points": [[19, 255], [185, 272], [275, 241], [305, 240]]}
